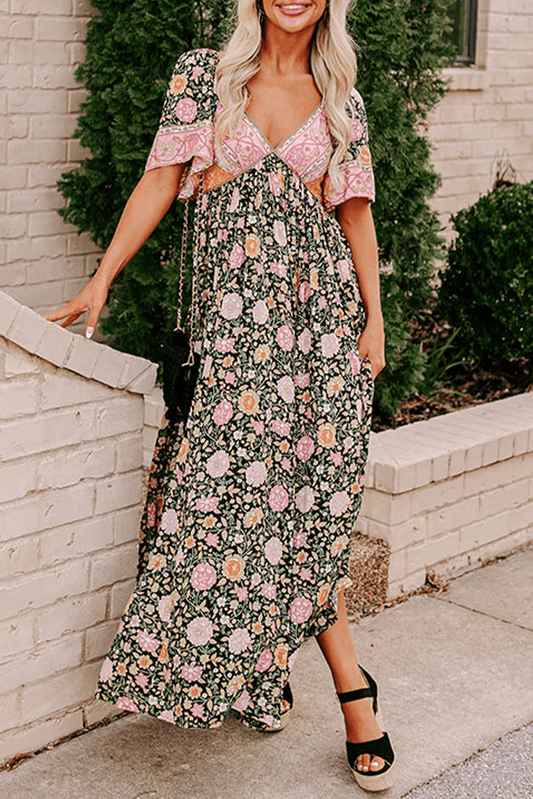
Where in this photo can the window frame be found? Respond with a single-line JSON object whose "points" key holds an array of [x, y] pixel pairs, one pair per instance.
{"points": [[467, 54]]}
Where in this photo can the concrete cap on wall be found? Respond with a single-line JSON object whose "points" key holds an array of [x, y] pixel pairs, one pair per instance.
{"points": [[59, 346]]}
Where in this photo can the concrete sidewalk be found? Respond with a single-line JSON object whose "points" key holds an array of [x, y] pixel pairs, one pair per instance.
{"points": [[454, 672]]}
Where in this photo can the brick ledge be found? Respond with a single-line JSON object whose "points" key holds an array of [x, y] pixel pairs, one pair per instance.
{"points": [[68, 350], [426, 452]]}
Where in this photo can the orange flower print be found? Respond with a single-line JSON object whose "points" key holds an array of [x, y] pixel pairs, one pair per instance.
{"points": [[364, 155], [356, 488], [209, 521], [156, 561], [257, 628], [182, 452], [189, 542], [261, 353], [163, 653], [301, 556], [334, 385], [313, 279], [233, 567], [121, 669], [179, 84], [194, 692], [323, 594], [251, 245], [339, 544], [228, 360], [249, 401], [143, 661], [235, 685], [178, 710], [281, 655], [271, 302], [284, 446], [326, 435], [253, 517]]}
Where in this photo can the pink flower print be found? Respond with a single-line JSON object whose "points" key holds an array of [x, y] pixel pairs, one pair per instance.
{"points": [[256, 473], [146, 641], [203, 576], [268, 590], [164, 607], [256, 579], [304, 291], [141, 680], [305, 448], [222, 413], [167, 715], [322, 302], [135, 621], [231, 306], [191, 673], [186, 109], [285, 388], [259, 268], [278, 498], [306, 574], [150, 514], [330, 344], [357, 130], [339, 503], [120, 626], [286, 464], [230, 378], [309, 413], [302, 380], [169, 521], [280, 233], [274, 183], [259, 427], [106, 670], [199, 631], [355, 362], [305, 498], [224, 344], [211, 540], [166, 675], [125, 703], [264, 660], [207, 504], [260, 312], [242, 593], [242, 702], [336, 457], [304, 340], [237, 257], [300, 539], [285, 338], [273, 550], [281, 427], [278, 268], [300, 610], [197, 710], [180, 556], [218, 464], [344, 270], [235, 197], [239, 640], [197, 71]]}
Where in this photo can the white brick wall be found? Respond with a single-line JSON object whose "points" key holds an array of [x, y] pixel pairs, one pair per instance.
{"points": [[71, 453], [488, 114], [452, 491], [44, 261]]}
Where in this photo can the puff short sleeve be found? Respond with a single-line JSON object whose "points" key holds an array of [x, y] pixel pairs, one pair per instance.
{"points": [[186, 131], [357, 176]]}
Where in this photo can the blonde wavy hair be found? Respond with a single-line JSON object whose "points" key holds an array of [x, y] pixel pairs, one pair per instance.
{"points": [[333, 63]]}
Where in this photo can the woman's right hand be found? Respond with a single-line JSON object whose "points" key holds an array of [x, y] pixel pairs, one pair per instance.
{"points": [[91, 298]]}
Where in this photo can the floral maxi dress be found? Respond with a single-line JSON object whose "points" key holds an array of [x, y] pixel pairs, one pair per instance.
{"points": [[245, 533]]}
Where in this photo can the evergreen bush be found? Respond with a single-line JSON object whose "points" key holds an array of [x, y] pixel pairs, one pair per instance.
{"points": [[131, 49], [487, 286]]}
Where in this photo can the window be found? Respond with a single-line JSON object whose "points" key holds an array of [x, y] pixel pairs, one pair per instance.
{"points": [[464, 19]]}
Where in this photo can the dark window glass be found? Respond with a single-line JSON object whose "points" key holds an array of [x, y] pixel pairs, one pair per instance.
{"points": [[464, 18]]}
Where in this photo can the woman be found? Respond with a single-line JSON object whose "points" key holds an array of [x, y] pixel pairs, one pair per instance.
{"points": [[245, 532]]}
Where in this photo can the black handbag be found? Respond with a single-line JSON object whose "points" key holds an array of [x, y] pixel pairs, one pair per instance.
{"points": [[179, 362]]}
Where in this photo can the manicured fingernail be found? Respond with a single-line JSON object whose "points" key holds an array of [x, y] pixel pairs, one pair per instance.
{"points": [[89, 331]]}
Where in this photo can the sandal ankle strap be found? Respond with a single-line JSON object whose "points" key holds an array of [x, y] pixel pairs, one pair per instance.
{"points": [[350, 696]]}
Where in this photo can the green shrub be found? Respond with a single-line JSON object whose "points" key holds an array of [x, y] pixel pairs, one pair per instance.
{"points": [[487, 287], [131, 49]]}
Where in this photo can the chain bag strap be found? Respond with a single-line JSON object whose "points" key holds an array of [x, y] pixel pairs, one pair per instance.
{"points": [[179, 362]]}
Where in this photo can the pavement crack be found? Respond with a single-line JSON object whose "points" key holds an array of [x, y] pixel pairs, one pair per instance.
{"points": [[483, 613]]}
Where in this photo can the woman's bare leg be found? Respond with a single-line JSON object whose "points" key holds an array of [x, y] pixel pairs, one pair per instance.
{"points": [[337, 647]]}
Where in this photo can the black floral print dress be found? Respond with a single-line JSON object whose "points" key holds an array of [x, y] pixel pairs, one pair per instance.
{"points": [[245, 533]]}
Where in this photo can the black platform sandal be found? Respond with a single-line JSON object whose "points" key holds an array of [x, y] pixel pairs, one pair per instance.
{"points": [[380, 747], [288, 698]]}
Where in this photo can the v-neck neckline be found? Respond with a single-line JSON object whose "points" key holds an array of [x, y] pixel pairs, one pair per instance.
{"points": [[282, 143]]}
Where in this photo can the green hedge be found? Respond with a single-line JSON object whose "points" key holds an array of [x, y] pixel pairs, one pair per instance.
{"points": [[131, 49]]}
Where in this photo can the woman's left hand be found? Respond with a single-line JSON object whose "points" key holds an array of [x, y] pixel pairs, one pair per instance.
{"points": [[371, 345]]}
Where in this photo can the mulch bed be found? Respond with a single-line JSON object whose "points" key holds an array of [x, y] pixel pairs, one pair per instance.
{"points": [[461, 386]]}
